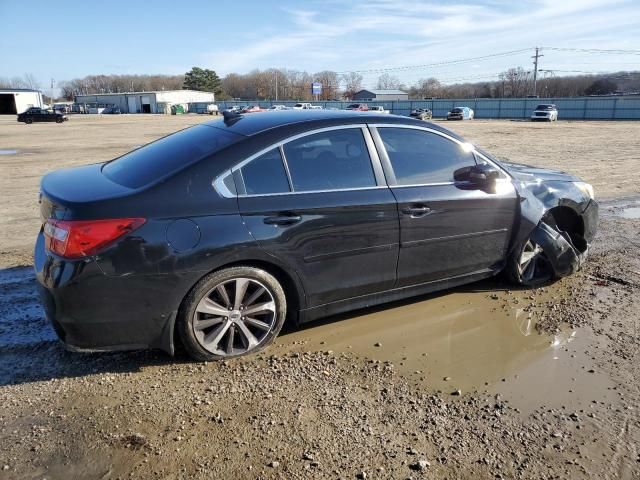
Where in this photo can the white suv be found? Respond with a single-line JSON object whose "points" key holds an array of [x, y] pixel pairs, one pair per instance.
{"points": [[545, 112]]}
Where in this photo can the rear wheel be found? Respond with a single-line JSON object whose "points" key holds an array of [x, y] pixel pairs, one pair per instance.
{"points": [[529, 265], [232, 312], [28, 121]]}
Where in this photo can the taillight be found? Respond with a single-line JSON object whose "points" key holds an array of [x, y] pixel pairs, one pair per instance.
{"points": [[80, 238]]}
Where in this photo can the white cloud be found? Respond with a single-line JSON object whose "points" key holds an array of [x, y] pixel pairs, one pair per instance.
{"points": [[388, 33]]}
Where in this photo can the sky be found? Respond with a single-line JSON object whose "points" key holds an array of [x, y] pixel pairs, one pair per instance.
{"points": [[71, 39]]}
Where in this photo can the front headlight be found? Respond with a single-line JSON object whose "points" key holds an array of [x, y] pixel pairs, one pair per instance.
{"points": [[586, 188]]}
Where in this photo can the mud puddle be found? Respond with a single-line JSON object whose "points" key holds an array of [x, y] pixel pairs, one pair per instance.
{"points": [[470, 341]]}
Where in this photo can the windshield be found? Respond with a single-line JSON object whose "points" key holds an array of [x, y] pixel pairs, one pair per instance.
{"points": [[545, 107], [456, 110], [167, 155]]}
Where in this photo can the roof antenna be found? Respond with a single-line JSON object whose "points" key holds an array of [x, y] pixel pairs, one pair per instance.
{"points": [[230, 117]]}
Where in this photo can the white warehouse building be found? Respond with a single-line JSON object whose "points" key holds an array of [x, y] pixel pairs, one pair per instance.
{"points": [[159, 101], [17, 100]]}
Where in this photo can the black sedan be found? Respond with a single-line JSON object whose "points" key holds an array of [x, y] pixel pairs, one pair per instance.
{"points": [[214, 235], [35, 114]]}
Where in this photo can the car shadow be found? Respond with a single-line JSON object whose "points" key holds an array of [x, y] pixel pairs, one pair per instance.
{"points": [[31, 352]]}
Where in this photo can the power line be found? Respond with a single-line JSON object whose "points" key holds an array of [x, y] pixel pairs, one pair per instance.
{"points": [[437, 64], [594, 50]]}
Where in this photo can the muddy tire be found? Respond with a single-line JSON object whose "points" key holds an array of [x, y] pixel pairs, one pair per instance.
{"points": [[529, 266], [231, 313]]}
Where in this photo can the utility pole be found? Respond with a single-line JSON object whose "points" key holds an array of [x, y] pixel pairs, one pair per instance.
{"points": [[276, 72], [535, 70]]}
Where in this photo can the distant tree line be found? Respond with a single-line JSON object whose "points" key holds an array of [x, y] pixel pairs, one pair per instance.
{"points": [[283, 84]]}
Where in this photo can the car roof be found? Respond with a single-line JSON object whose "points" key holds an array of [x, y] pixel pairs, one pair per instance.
{"points": [[254, 123]]}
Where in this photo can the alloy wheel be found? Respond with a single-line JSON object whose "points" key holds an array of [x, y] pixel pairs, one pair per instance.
{"points": [[533, 265], [234, 317]]}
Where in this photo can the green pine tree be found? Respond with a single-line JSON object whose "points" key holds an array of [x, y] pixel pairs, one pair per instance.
{"points": [[204, 80]]}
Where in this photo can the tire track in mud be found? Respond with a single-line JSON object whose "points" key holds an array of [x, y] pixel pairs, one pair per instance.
{"points": [[22, 320]]}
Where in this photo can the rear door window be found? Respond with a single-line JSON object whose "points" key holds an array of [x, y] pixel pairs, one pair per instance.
{"points": [[167, 155], [419, 157], [265, 174], [332, 160]]}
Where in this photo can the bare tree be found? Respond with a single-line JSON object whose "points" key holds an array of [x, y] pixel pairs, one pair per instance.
{"points": [[388, 82], [428, 88], [30, 81], [353, 84], [330, 84]]}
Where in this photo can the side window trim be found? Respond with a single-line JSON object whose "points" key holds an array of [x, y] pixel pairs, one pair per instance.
{"points": [[286, 167], [386, 163], [236, 170]]}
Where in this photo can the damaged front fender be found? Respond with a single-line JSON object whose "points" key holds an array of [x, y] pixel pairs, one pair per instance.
{"points": [[539, 202], [564, 258]]}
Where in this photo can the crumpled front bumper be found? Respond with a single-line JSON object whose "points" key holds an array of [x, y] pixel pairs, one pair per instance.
{"points": [[564, 255]]}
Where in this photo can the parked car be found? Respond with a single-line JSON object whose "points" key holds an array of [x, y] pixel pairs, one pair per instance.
{"points": [[252, 109], [234, 108], [62, 107], [289, 214], [212, 109], [317, 107], [421, 114], [302, 106], [35, 114], [112, 111], [362, 107], [378, 109], [460, 113], [278, 107], [546, 112]]}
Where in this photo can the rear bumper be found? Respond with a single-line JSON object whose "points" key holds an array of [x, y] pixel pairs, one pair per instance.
{"points": [[91, 311]]}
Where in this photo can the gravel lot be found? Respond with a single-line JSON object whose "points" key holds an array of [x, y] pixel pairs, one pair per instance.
{"points": [[479, 382]]}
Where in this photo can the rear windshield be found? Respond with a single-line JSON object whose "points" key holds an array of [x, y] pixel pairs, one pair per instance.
{"points": [[169, 154]]}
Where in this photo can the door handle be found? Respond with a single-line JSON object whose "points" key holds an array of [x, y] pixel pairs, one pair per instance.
{"points": [[420, 211], [282, 220]]}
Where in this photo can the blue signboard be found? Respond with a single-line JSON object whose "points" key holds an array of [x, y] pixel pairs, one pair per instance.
{"points": [[316, 88]]}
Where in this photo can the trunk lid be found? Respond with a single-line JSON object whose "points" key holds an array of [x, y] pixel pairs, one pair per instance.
{"points": [[64, 191]]}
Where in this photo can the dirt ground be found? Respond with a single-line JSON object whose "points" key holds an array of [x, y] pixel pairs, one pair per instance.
{"points": [[480, 382]]}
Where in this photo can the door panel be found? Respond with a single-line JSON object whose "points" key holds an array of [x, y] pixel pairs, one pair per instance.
{"points": [[462, 231], [342, 243], [447, 228]]}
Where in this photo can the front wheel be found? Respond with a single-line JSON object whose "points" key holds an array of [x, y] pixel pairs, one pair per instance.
{"points": [[59, 120], [529, 265], [28, 121], [232, 312]]}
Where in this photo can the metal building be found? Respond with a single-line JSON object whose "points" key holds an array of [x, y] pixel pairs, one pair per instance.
{"points": [[17, 100], [159, 101], [380, 95]]}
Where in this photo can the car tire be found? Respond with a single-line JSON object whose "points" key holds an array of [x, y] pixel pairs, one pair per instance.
{"points": [[59, 120], [528, 265], [28, 121], [207, 334]]}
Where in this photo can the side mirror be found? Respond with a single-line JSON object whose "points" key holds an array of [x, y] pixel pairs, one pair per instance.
{"points": [[482, 174]]}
